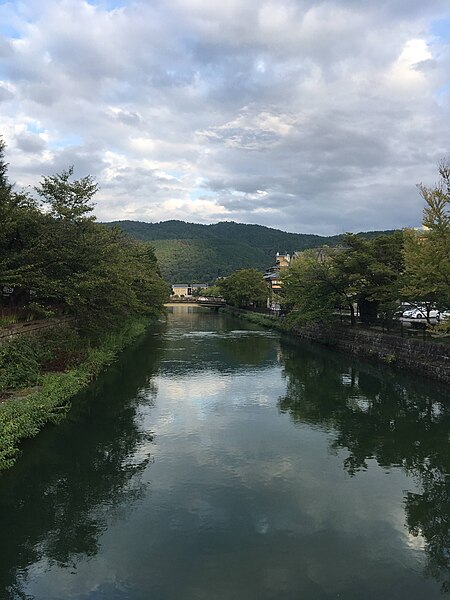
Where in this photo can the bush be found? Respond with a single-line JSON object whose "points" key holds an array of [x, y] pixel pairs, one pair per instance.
{"points": [[19, 365], [23, 359], [22, 418]]}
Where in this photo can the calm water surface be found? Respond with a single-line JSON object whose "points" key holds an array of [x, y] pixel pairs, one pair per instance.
{"points": [[218, 461]]}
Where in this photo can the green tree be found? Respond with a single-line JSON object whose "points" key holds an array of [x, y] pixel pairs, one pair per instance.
{"points": [[244, 288], [213, 291], [5, 186], [372, 269], [95, 271], [70, 200], [427, 252], [313, 287], [363, 272], [70, 262], [19, 219]]}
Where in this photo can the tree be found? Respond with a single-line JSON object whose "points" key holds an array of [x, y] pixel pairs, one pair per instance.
{"points": [[213, 291], [68, 199], [19, 219], [313, 287], [372, 269], [63, 260], [244, 288], [5, 186], [363, 272], [427, 252]]}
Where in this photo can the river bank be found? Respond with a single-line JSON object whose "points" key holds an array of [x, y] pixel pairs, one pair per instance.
{"points": [[24, 412], [427, 358]]}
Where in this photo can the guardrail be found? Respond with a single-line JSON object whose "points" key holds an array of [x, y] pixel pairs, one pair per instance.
{"points": [[8, 332]]}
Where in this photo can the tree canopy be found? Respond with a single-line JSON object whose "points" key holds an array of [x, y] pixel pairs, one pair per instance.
{"points": [[377, 274], [362, 272], [53, 254], [244, 288], [427, 251]]}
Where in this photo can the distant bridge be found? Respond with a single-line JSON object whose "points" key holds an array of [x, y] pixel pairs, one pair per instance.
{"points": [[211, 302], [201, 301]]}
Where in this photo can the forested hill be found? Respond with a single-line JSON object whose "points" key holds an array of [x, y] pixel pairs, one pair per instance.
{"points": [[190, 252]]}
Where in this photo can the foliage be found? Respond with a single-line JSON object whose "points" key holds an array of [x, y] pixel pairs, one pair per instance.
{"points": [[190, 252], [58, 258], [23, 359], [213, 291], [24, 417], [363, 272], [19, 365], [313, 287], [243, 288], [372, 269], [203, 260], [67, 199], [427, 252]]}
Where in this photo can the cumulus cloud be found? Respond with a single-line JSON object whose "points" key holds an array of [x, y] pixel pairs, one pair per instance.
{"points": [[307, 116]]}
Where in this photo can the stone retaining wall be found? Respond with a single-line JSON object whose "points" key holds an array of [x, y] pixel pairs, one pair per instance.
{"points": [[431, 359], [9, 332]]}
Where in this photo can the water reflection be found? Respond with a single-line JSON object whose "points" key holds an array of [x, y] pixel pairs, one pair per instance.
{"points": [[199, 341], [378, 414], [216, 462], [71, 481]]}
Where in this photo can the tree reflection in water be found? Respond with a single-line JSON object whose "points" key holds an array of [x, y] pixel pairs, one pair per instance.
{"points": [[89, 472], [246, 350], [378, 414]]}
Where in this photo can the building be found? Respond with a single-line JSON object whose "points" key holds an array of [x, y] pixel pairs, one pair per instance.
{"points": [[273, 274], [273, 280], [186, 290], [283, 260]]}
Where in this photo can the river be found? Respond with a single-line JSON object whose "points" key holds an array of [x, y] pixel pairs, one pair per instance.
{"points": [[218, 461]]}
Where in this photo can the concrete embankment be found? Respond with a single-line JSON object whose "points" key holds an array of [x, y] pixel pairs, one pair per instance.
{"points": [[427, 358]]}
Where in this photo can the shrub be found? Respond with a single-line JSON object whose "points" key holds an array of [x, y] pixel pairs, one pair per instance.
{"points": [[22, 418], [19, 365]]}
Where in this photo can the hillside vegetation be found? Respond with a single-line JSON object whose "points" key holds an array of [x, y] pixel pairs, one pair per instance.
{"points": [[194, 253]]}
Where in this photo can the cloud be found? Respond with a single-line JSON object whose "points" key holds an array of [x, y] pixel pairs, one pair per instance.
{"points": [[306, 116]]}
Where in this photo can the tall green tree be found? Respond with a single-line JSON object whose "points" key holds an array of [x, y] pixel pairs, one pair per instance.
{"points": [[313, 287], [95, 271], [68, 199], [427, 252], [19, 219], [363, 272], [61, 258], [5, 186], [372, 269], [245, 288]]}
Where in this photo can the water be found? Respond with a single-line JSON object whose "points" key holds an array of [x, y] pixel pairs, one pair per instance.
{"points": [[218, 461]]}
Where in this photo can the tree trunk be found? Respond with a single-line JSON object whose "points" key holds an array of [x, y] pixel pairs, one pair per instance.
{"points": [[368, 309], [352, 314]]}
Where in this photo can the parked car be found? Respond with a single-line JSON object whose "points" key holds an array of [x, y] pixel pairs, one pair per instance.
{"points": [[443, 315], [420, 312]]}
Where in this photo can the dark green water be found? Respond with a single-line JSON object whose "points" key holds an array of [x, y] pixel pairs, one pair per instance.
{"points": [[216, 461]]}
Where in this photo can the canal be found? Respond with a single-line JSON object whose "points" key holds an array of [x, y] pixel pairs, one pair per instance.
{"points": [[218, 461]]}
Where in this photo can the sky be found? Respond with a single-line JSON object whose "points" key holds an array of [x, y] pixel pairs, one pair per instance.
{"points": [[305, 115]]}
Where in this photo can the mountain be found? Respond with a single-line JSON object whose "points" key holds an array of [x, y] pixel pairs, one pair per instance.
{"points": [[195, 253]]}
